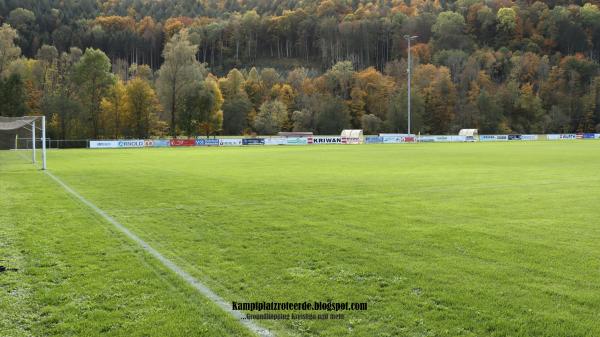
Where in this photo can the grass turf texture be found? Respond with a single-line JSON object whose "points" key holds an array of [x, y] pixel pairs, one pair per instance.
{"points": [[494, 239]]}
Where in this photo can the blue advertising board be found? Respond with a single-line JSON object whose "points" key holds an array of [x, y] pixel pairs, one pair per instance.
{"points": [[373, 139], [253, 141], [207, 142], [158, 143]]}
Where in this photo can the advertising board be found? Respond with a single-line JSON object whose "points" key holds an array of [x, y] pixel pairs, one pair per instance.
{"points": [[207, 142], [112, 144], [253, 141], [156, 143], [182, 142], [317, 140], [275, 141], [493, 138], [230, 142], [373, 139], [104, 144], [296, 141], [553, 137]]}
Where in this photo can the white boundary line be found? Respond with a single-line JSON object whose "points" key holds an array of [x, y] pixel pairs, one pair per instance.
{"points": [[204, 290]]}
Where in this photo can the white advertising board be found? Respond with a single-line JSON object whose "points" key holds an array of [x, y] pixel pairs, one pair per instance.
{"points": [[276, 141], [317, 140], [230, 142], [113, 144], [296, 141]]}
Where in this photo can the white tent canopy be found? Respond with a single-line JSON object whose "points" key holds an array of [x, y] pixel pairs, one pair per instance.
{"points": [[468, 132], [352, 136]]}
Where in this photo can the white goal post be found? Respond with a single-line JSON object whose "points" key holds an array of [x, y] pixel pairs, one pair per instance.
{"points": [[27, 123]]}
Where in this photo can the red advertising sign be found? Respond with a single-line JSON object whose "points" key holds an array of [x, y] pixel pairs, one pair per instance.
{"points": [[183, 142]]}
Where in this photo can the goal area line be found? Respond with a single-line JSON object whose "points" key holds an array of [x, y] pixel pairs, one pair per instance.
{"points": [[191, 280]]}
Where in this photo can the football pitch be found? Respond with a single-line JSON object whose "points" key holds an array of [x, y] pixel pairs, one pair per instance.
{"points": [[482, 239]]}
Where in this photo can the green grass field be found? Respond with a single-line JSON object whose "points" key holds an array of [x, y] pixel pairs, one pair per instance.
{"points": [[486, 239]]}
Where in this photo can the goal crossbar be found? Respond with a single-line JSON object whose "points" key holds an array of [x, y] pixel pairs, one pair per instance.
{"points": [[15, 123]]}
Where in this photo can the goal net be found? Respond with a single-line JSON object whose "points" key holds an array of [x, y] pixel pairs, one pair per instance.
{"points": [[26, 134]]}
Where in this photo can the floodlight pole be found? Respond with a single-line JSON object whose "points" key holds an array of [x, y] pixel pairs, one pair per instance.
{"points": [[409, 38], [43, 142], [33, 139]]}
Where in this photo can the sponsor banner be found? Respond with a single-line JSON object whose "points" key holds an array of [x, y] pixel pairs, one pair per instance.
{"points": [[597, 135], [424, 139], [391, 139], [182, 142], [443, 138], [372, 139], [297, 141], [230, 142], [156, 143], [207, 142], [589, 135], [514, 137], [131, 143], [351, 140], [253, 141], [275, 141], [114, 144], [562, 136], [398, 139], [104, 144], [324, 140], [579, 136], [553, 137], [493, 138], [429, 139], [529, 137]]}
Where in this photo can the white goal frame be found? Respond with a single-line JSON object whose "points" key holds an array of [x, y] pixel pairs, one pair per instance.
{"points": [[33, 126]]}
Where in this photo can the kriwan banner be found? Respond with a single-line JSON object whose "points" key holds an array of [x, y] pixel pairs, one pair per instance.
{"points": [[324, 140]]}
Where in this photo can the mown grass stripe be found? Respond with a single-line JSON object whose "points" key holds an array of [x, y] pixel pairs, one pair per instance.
{"points": [[203, 289]]}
